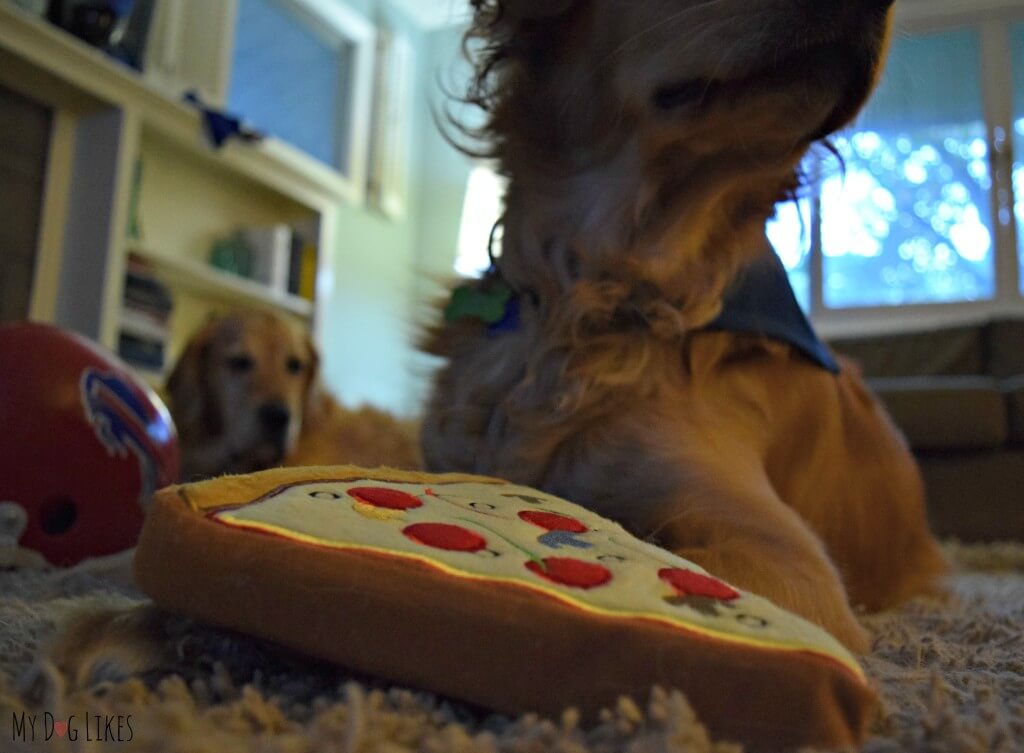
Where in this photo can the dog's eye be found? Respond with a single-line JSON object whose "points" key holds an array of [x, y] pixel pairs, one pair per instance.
{"points": [[294, 365], [678, 95], [240, 364]]}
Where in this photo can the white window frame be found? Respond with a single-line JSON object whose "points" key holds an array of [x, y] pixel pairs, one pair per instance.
{"points": [[192, 47], [356, 111], [991, 19]]}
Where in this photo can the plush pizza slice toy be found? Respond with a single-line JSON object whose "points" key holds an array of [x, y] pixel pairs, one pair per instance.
{"points": [[493, 593]]}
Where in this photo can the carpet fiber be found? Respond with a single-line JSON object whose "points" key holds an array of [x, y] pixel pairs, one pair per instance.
{"points": [[950, 671]]}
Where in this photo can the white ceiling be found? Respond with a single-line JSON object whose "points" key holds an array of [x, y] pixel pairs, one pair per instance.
{"points": [[434, 14]]}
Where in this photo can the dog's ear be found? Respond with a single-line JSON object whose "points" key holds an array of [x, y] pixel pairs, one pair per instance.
{"points": [[193, 406], [315, 404]]}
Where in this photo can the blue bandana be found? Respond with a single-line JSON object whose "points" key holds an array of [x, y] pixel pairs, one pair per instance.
{"points": [[760, 302]]}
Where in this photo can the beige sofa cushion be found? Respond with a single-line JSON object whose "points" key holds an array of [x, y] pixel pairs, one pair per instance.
{"points": [[975, 496], [1013, 389], [1006, 348], [956, 412], [951, 351]]}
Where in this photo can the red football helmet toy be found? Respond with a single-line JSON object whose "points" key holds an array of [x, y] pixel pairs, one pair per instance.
{"points": [[83, 445]]}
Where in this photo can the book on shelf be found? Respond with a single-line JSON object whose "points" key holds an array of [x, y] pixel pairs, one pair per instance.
{"points": [[280, 256], [145, 316], [142, 323], [302, 267], [270, 255], [142, 353], [144, 292]]}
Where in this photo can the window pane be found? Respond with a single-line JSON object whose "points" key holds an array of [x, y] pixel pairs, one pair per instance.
{"points": [[481, 210], [1017, 42], [910, 221], [790, 233], [286, 77]]}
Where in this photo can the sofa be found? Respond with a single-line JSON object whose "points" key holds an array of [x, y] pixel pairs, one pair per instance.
{"points": [[958, 395]]}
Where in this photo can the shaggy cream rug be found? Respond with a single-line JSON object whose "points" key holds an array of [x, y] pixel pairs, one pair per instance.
{"points": [[950, 671]]}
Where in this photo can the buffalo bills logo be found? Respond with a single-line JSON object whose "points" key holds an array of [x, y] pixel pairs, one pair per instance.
{"points": [[125, 422]]}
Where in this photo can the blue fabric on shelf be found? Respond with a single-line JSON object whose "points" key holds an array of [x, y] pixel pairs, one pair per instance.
{"points": [[221, 126]]}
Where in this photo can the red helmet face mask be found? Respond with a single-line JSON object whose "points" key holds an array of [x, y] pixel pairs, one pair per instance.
{"points": [[83, 444]]}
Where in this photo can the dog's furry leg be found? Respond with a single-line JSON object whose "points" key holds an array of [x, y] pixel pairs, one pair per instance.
{"points": [[110, 644], [731, 522], [866, 499]]}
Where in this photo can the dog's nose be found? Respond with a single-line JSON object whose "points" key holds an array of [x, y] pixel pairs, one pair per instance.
{"points": [[275, 417]]}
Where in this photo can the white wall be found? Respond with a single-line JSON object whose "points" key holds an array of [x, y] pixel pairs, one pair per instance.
{"points": [[381, 266]]}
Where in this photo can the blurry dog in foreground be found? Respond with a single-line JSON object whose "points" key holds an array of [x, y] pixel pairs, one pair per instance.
{"points": [[646, 143], [246, 395]]}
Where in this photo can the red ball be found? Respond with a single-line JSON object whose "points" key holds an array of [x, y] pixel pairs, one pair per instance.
{"points": [[83, 445]]}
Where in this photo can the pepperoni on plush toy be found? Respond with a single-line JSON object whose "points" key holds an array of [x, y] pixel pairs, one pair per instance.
{"points": [[445, 536], [389, 499], [567, 571], [690, 583], [553, 521]]}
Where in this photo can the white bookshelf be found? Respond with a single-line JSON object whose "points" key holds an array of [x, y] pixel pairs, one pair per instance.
{"points": [[206, 281], [108, 119]]}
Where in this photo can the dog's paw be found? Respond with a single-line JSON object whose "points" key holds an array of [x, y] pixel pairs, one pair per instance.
{"points": [[103, 645]]}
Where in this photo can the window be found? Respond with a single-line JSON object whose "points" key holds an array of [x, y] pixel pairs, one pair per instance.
{"points": [[909, 222], [302, 71], [287, 77], [790, 234], [481, 210], [908, 218], [1017, 46]]}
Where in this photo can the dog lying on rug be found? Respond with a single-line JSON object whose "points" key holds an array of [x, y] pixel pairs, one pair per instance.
{"points": [[619, 352], [246, 395]]}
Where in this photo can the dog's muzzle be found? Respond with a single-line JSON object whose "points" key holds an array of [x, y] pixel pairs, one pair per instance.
{"points": [[275, 419]]}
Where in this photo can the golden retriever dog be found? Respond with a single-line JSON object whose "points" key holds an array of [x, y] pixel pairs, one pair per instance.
{"points": [[646, 143], [246, 395]]}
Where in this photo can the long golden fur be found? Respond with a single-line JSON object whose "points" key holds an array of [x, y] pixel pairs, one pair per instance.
{"points": [[646, 143], [246, 395]]}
